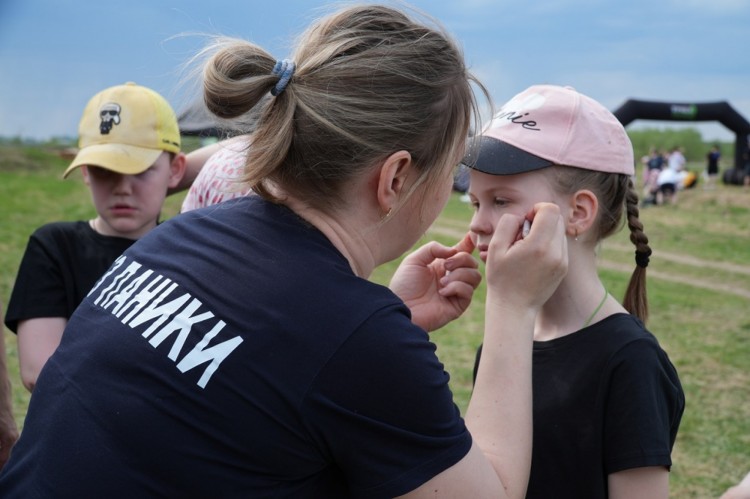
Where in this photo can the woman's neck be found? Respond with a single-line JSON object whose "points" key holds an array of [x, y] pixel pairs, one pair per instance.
{"points": [[344, 230]]}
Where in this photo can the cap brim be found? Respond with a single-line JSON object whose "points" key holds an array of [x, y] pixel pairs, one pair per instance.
{"points": [[120, 158], [495, 157]]}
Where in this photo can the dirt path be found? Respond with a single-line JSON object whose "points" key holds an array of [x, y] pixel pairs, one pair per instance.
{"points": [[695, 262], [456, 231]]}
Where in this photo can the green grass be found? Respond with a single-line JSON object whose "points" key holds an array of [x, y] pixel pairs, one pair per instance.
{"points": [[699, 292]]}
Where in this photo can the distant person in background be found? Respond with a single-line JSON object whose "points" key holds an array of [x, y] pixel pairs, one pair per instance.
{"points": [[712, 168], [8, 428], [653, 164], [667, 184], [220, 178], [676, 160], [129, 155], [673, 178]]}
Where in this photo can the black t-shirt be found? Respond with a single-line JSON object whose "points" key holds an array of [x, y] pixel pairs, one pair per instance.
{"points": [[713, 161], [232, 352], [62, 262], [606, 399], [655, 162]]}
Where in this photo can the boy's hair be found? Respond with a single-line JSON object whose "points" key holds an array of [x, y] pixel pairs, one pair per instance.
{"points": [[365, 82], [124, 129]]}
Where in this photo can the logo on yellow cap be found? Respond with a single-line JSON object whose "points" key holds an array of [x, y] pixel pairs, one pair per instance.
{"points": [[109, 114]]}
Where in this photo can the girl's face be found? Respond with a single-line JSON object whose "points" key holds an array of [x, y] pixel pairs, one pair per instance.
{"points": [[492, 196]]}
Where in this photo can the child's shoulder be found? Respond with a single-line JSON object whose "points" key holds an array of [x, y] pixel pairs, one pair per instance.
{"points": [[622, 331], [627, 327], [77, 240], [62, 229], [628, 338]]}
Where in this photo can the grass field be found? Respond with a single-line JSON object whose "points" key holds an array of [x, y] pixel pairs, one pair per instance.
{"points": [[699, 292]]}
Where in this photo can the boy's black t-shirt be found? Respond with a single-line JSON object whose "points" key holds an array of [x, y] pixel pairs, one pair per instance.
{"points": [[62, 262]]}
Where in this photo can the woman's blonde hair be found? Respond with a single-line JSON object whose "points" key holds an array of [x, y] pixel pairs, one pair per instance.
{"points": [[617, 197], [369, 81]]}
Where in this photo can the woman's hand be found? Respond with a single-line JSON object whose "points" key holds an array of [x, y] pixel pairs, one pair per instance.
{"points": [[524, 272], [437, 282]]}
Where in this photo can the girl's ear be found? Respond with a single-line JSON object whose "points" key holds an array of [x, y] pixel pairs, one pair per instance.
{"points": [[391, 180], [584, 207]]}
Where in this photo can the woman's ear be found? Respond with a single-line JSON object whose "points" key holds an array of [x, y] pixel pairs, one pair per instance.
{"points": [[584, 207], [391, 180]]}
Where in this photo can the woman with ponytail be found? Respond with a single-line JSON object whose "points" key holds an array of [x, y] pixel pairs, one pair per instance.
{"points": [[239, 349]]}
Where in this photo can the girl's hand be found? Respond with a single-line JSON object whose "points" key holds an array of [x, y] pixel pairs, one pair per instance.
{"points": [[437, 282]]}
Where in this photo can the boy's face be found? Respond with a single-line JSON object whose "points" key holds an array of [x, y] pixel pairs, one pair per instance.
{"points": [[129, 205], [495, 195]]}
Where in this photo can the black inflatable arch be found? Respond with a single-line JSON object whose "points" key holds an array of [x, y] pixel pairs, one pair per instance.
{"points": [[722, 112]]}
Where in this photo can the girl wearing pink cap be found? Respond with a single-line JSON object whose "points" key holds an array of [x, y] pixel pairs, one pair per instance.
{"points": [[607, 401]]}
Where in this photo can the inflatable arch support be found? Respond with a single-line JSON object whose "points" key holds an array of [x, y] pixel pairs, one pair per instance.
{"points": [[721, 111]]}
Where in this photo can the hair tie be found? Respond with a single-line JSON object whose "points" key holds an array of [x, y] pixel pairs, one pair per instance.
{"points": [[641, 258], [284, 70]]}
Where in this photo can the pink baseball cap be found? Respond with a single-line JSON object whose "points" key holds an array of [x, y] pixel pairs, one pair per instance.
{"points": [[548, 125]]}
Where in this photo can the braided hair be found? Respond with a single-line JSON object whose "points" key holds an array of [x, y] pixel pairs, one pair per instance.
{"points": [[617, 200]]}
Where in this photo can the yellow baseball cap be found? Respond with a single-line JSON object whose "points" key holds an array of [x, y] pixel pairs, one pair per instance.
{"points": [[124, 129]]}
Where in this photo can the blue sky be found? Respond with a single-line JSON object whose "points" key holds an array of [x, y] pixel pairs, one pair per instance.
{"points": [[55, 54]]}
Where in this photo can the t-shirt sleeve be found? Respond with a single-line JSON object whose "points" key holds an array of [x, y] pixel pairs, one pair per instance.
{"points": [[39, 289], [383, 410], [644, 408]]}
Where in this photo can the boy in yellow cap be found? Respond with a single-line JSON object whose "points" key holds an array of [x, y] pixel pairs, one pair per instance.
{"points": [[129, 156]]}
